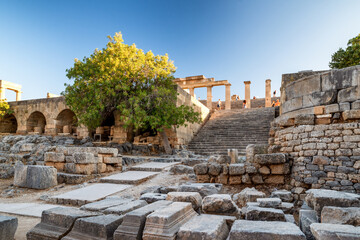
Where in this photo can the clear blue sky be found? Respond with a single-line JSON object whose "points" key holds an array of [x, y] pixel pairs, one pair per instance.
{"points": [[231, 40]]}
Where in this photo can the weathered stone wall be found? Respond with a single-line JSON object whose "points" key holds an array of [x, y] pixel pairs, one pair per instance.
{"points": [[319, 128], [255, 103]]}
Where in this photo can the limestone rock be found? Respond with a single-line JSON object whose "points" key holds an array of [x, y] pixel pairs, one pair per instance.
{"points": [[253, 149], [243, 229], [264, 214], [220, 159], [319, 198], [152, 197], [220, 204], [247, 195], [339, 215], [204, 189], [201, 169], [166, 222], [204, 227], [269, 202], [133, 223], [181, 169], [327, 231], [56, 222], [34, 176], [193, 197], [237, 169], [8, 226], [98, 227], [306, 218], [125, 208], [284, 195], [304, 119], [106, 203], [270, 159], [84, 158], [54, 157]]}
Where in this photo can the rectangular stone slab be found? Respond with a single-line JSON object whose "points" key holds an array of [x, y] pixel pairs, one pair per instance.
{"points": [[25, 209], [95, 228], [334, 231], [133, 224], [90, 193], [165, 223], [152, 166], [243, 229], [8, 226], [106, 203], [56, 223], [130, 177], [204, 227], [125, 208]]}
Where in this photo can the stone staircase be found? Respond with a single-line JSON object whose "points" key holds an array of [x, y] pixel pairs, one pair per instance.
{"points": [[233, 129]]}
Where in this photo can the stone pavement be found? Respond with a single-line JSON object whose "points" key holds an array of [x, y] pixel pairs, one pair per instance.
{"points": [[130, 177], [25, 209], [89, 194], [152, 166]]}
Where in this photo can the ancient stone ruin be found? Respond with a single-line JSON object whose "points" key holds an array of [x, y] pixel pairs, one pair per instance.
{"points": [[263, 172]]}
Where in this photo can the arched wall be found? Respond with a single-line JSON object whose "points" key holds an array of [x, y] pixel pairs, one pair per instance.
{"points": [[8, 124]]}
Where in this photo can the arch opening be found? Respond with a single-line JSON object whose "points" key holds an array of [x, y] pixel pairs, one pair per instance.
{"points": [[36, 123], [8, 124], [66, 122]]}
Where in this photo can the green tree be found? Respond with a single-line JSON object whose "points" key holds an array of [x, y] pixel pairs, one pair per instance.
{"points": [[349, 57], [4, 108], [122, 77]]}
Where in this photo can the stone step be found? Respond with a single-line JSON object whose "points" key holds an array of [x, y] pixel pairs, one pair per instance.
{"points": [[130, 177], [152, 166]]}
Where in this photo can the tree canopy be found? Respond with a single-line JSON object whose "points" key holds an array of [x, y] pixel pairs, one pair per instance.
{"points": [[122, 77], [349, 57], [4, 108]]}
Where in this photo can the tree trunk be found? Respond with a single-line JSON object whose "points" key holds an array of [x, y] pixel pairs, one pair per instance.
{"points": [[166, 143]]}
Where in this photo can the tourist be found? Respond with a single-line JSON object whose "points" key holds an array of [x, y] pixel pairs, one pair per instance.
{"points": [[275, 93], [244, 104], [273, 104], [254, 97], [277, 104], [237, 97], [219, 104]]}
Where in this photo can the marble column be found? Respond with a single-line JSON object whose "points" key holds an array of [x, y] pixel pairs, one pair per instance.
{"points": [[209, 98], [247, 93], [2, 93], [227, 97], [18, 96], [268, 93]]}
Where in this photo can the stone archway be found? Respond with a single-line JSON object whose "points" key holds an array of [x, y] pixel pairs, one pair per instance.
{"points": [[8, 124], [66, 122], [36, 122]]}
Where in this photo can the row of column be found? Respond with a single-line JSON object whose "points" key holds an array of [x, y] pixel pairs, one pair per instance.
{"points": [[228, 95]]}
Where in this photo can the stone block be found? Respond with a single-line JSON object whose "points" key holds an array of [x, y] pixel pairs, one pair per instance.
{"points": [[204, 189], [86, 169], [264, 170], [351, 114], [284, 195], [319, 98], [193, 197], [355, 105], [339, 215], [235, 180], [133, 223], [34, 176], [321, 160], [275, 179], [203, 178], [220, 204], [319, 110], [288, 208], [205, 227], [305, 119], [253, 149], [125, 208], [106, 203], [84, 158], [291, 105], [56, 222], [350, 94], [327, 231], [215, 169], [333, 108], [270, 159], [344, 106], [219, 159], [181, 169], [243, 229], [280, 168], [71, 178], [257, 179], [237, 169], [269, 202], [98, 227], [201, 169], [113, 152], [54, 157], [166, 222], [319, 198], [306, 218], [264, 214], [247, 195], [8, 226], [152, 197], [112, 160]]}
